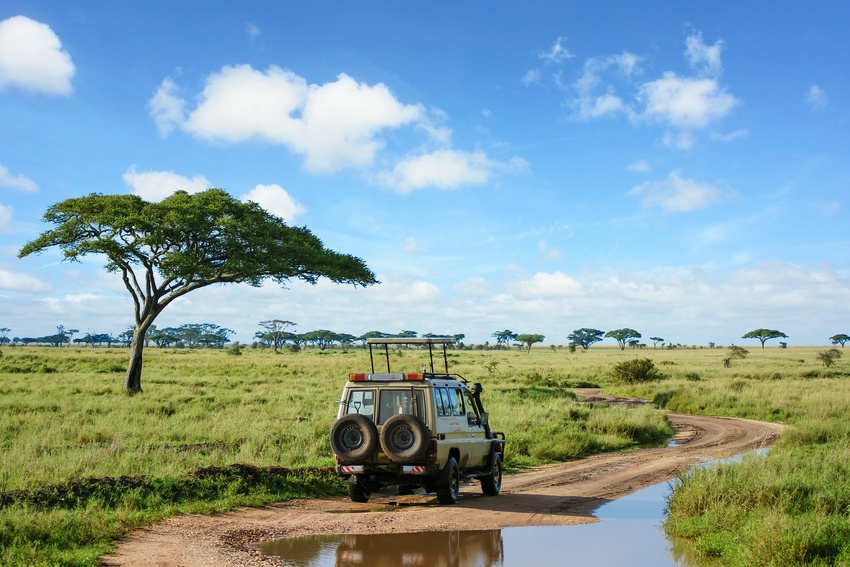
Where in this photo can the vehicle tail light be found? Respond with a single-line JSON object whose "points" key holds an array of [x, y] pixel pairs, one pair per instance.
{"points": [[415, 376], [432, 451], [357, 377]]}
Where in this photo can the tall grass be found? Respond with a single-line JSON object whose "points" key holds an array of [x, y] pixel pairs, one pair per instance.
{"points": [[65, 422]]}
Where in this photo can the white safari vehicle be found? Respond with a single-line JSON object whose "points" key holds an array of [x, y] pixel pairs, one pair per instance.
{"points": [[414, 429]]}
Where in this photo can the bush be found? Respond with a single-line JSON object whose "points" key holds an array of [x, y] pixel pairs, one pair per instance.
{"points": [[635, 371]]}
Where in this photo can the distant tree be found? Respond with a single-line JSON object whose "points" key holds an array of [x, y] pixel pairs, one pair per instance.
{"points": [[346, 339], [407, 334], [458, 338], [622, 336], [585, 337], [127, 336], [275, 328], [186, 242], [321, 338], [828, 357], [735, 352], [56, 340], [529, 340], [70, 333], [4, 332], [504, 337], [372, 335], [655, 341], [764, 335], [836, 339]]}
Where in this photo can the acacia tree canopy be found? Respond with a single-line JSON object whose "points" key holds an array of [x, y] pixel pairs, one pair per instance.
{"points": [[764, 335], [185, 242], [622, 336], [585, 337], [529, 339], [836, 339]]}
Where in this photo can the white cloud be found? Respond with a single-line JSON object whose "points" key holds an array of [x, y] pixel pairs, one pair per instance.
{"points": [[531, 76], [16, 281], [167, 108], [548, 253], [276, 200], [157, 185], [252, 31], [676, 195], [32, 58], [590, 103], [410, 245], [546, 285], [731, 136], [684, 102], [334, 126], [817, 98], [19, 182], [557, 53], [703, 58], [5, 219], [640, 166], [473, 287], [444, 169]]}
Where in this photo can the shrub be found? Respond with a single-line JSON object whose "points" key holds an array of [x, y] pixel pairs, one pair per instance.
{"points": [[635, 371]]}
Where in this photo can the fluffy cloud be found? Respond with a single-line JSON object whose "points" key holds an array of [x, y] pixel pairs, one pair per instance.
{"points": [[557, 53], [817, 98], [676, 195], [276, 200], [157, 185], [32, 58], [684, 102], [443, 169], [334, 125], [16, 181], [640, 166], [16, 281]]}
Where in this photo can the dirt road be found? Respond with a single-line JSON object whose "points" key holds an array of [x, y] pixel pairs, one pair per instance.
{"points": [[558, 494]]}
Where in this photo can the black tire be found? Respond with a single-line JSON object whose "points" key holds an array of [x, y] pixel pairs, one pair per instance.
{"points": [[358, 493], [449, 486], [354, 438], [492, 483], [404, 439]]}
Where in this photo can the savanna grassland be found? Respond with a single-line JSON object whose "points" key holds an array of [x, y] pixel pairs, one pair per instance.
{"points": [[83, 464]]}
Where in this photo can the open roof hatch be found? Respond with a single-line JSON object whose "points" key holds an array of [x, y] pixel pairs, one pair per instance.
{"points": [[430, 341]]}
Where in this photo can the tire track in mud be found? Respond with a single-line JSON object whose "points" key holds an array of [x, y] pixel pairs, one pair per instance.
{"points": [[559, 494]]}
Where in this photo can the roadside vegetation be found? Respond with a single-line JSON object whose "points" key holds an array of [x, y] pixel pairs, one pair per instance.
{"points": [[83, 463]]}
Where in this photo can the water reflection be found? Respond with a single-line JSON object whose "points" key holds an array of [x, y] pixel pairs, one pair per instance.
{"points": [[629, 534], [427, 549]]}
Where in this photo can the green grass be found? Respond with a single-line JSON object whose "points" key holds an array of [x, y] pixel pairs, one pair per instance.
{"points": [[64, 420]]}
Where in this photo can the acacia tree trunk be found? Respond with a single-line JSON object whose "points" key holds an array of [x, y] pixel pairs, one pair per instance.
{"points": [[133, 379]]}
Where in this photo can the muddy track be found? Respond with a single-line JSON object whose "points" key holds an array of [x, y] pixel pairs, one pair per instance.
{"points": [[560, 494]]}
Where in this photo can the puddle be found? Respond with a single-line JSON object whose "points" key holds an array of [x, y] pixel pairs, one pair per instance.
{"points": [[629, 534]]}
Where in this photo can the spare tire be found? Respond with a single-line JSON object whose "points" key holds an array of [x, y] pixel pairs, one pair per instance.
{"points": [[404, 439], [354, 438]]}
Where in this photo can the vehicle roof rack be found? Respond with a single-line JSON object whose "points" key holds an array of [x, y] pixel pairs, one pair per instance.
{"points": [[430, 341]]}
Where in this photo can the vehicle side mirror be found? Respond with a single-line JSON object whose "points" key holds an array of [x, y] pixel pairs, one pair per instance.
{"points": [[472, 419]]}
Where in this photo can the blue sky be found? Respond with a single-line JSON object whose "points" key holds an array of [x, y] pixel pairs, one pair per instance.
{"points": [[677, 168]]}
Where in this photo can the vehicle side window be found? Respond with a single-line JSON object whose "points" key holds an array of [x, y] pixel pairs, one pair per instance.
{"points": [[470, 405], [457, 401], [362, 402], [399, 401], [441, 399]]}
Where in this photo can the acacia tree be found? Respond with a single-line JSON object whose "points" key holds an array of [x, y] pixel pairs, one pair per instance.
{"points": [[585, 337], [275, 328], [529, 339], [186, 242], [836, 339], [764, 335], [505, 337], [622, 336], [655, 341]]}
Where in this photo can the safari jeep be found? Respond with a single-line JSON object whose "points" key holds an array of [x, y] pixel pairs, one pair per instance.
{"points": [[415, 429]]}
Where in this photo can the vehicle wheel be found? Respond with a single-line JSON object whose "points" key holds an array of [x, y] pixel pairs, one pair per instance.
{"points": [[449, 487], [354, 438], [404, 439], [492, 483], [358, 493]]}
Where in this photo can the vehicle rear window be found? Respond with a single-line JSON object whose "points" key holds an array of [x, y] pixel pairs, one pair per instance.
{"points": [[441, 399], [456, 396], [400, 401], [362, 402]]}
